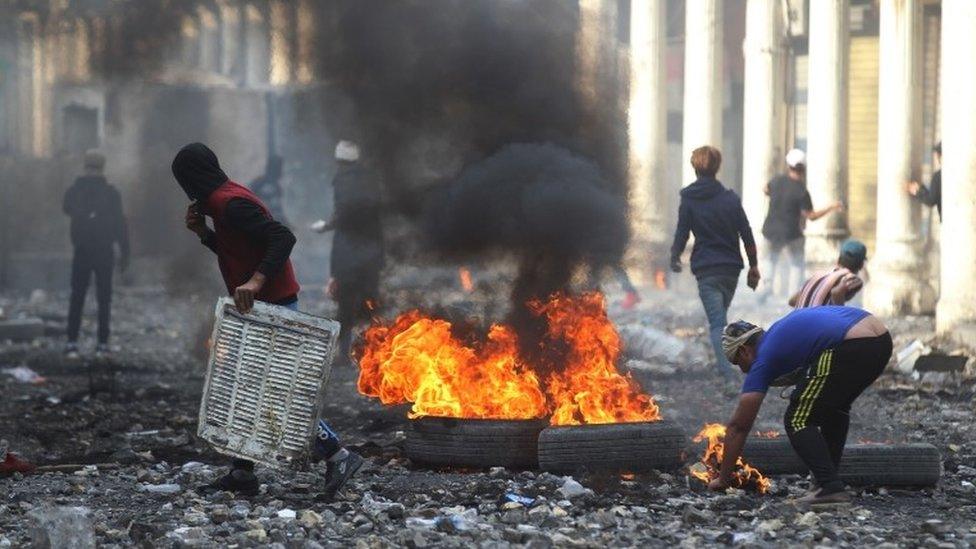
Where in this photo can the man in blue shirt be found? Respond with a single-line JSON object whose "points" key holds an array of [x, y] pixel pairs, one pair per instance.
{"points": [[833, 354]]}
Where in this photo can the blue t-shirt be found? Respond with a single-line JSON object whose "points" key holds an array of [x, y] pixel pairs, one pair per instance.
{"points": [[796, 340]]}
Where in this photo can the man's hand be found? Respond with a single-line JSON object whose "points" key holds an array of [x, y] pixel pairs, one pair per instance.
{"points": [[837, 206], [913, 188], [244, 294], [330, 288], [718, 485], [752, 279], [195, 221], [676, 265]]}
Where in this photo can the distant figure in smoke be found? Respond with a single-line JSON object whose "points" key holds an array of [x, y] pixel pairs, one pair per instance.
{"points": [[253, 253], [268, 188], [931, 195], [97, 225], [790, 207], [837, 286], [357, 245], [715, 215]]}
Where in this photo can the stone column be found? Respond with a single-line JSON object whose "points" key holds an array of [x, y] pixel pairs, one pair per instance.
{"points": [[651, 203], [702, 111], [763, 104], [956, 311], [899, 281], [827, 126]]}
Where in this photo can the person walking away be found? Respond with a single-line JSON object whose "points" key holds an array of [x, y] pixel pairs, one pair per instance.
{"points": [[832, 354], [931, 195], [253, 253], [97, 226], [715, 216], [268, 188], [838, 285], [790, 207], [357, 245]]}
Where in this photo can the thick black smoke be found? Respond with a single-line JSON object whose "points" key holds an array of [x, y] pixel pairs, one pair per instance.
{"points": [[549, 208], [441, 83]]}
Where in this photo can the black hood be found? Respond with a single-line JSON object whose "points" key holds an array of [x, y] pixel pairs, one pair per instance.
{"points": [[197, 170], [702, 189]]}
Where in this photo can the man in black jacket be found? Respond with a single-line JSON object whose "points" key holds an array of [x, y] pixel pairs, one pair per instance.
{"points": [[715, 215], [97, 224], [357, 246]]}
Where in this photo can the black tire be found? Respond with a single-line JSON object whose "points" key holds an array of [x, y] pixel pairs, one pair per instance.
{"points": [[862, 464], [891, 465], [618, 447], [773, 456], [482, 443]]}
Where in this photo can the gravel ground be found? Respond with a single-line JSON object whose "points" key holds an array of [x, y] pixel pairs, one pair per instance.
{"points": [[134, 415]]}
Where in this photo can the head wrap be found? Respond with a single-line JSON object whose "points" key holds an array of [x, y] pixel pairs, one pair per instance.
{"points": [[735, 335]]}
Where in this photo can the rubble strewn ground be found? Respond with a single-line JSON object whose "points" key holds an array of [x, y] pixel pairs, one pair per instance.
{"points": [[135, 417]]}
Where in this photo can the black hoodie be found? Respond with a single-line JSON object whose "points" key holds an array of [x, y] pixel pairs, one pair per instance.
{"points": [[197, 170], [715, 215]]}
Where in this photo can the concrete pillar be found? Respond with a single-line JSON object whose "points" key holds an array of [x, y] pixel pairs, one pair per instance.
{"points": [[30, 83], [827, 126], [596, 53], [282, 30], [956, 313], [704, 70], [763, 104], [307, 40], [230, 39], [256, 45], [899, 282], [650, 195]]}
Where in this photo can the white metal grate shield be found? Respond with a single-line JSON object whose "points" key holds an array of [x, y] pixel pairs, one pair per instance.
{"points": [[265, 382]]}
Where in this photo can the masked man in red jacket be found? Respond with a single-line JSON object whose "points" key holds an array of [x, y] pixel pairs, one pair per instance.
{"points": [[253, 254]]}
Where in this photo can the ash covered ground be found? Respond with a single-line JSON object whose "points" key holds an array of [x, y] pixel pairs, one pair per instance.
{"points": [[135, 415]]}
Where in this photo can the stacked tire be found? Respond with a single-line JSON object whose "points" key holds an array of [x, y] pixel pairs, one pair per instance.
{"points": [[477, 443], [618, 447]]}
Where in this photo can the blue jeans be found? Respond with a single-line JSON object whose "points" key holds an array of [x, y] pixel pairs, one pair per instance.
{"points": [[716, 293]]}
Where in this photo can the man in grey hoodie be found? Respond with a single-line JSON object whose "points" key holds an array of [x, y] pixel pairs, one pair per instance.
{"points": [[715, 215]]}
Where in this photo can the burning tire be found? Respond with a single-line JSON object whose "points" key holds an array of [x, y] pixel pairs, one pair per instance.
{"points": [[862, 465], [452, 442], [891, 465], [631, 447]]}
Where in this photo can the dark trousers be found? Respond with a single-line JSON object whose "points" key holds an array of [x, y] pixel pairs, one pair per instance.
{"points": [[716, 292], [356, 298], [83, 265], [818, 416]]}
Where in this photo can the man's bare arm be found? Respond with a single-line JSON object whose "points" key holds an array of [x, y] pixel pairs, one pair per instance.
{"points": [[737, 430]]}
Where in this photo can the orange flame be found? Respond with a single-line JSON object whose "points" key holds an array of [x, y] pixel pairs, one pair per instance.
{"points": [[661, 279], [417, 359], [745, 476], [464, 275]]}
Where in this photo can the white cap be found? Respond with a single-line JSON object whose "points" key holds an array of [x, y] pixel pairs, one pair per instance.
{"points": [[347, 151], [795, 158]]}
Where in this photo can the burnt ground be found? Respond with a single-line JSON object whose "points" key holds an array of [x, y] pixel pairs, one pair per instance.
{"points": [[135, 416]]}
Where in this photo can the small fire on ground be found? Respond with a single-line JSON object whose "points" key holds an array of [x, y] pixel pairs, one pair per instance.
{"points": [[745, 476], [418, 359]]}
